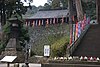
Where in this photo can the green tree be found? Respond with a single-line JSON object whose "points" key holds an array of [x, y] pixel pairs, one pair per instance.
{"points": [[47, 6], [55, 4], [7, 7], [64, 3], [89, 7]]}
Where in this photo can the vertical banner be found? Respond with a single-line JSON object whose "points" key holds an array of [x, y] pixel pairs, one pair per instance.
{"points": [[54, 20], [84, 20], [73, 33], [79, 29], [62, 19], [36, 23], [83, 25], [33, 23], [26, 23], [47, 22], [88, 20], [76, 32], [42, 22], [46, 50], [50, 20], [57, 20], [73, 18], [39, 22]]}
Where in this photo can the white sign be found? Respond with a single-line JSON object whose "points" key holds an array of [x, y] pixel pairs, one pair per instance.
{"points": [[8, 59], [47, 50]]}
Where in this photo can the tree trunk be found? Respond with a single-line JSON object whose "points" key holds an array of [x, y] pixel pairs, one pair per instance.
{"points": [[98, 10], [70, 8], [79, 10], [3, 20]]}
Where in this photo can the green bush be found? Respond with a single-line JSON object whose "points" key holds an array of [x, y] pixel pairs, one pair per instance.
{"points": [[59, 47]]}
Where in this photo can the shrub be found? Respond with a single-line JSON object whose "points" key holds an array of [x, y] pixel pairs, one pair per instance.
{"points": [[59, 47]]}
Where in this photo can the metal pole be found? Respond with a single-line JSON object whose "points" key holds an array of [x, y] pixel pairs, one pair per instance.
{"points": [[26, 54], [8, 64]]}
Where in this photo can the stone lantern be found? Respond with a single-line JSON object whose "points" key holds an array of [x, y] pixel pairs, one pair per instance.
{"points": [[15, 24], [13, 47], [13, 43]]}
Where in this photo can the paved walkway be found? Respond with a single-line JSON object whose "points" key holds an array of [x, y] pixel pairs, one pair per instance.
{"points": [[20, 65]]}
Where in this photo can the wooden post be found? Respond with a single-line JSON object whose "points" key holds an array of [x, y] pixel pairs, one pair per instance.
{"points": [[8, 64]]}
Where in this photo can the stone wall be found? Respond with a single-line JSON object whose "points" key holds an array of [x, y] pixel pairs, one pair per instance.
{"points": [[41, 36]]}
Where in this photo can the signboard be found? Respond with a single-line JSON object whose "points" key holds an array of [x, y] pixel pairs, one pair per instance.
{"points": [[47, 50], [8, 59]]}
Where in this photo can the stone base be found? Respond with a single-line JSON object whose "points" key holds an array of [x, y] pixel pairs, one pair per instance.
{"points": [[11, 50], [20, 55]]}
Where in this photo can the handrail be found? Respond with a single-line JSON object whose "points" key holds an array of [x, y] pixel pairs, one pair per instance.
{"points": [[74, 45]]}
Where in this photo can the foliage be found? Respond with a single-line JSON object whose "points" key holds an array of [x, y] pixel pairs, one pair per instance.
{"points": [[41, 37], [47, 6], [23, 32], [59, 47], [64, 3], [18, 7], [23, 36], [55, 4], [8, 6], [2, 46], [6, 28], [89, 8]]}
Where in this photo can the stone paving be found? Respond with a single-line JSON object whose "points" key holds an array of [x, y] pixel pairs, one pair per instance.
{"points": [[20, 65]]}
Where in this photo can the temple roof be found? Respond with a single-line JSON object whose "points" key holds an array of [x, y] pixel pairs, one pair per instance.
{"points": [[50, 14]]}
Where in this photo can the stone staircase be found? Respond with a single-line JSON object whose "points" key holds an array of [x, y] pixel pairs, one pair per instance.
{"points": [[90, 43]]}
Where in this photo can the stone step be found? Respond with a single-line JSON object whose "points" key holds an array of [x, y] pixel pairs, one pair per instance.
{"points": [[90, 44]]}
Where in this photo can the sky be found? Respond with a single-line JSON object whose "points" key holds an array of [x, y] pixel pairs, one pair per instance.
{"points": [[36, 2]]}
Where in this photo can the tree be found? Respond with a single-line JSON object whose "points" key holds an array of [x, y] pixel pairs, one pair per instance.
{"points": [[89, 7], [64, 3], [7, 7], [79, 10], [98, 10], [55, 4], [47, 6]]}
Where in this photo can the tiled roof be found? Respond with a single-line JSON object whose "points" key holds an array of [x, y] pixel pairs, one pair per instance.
{"points": [[50, 14]]}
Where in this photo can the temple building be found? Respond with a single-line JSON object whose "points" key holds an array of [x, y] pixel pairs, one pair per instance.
{"points": [[46, 17]]}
